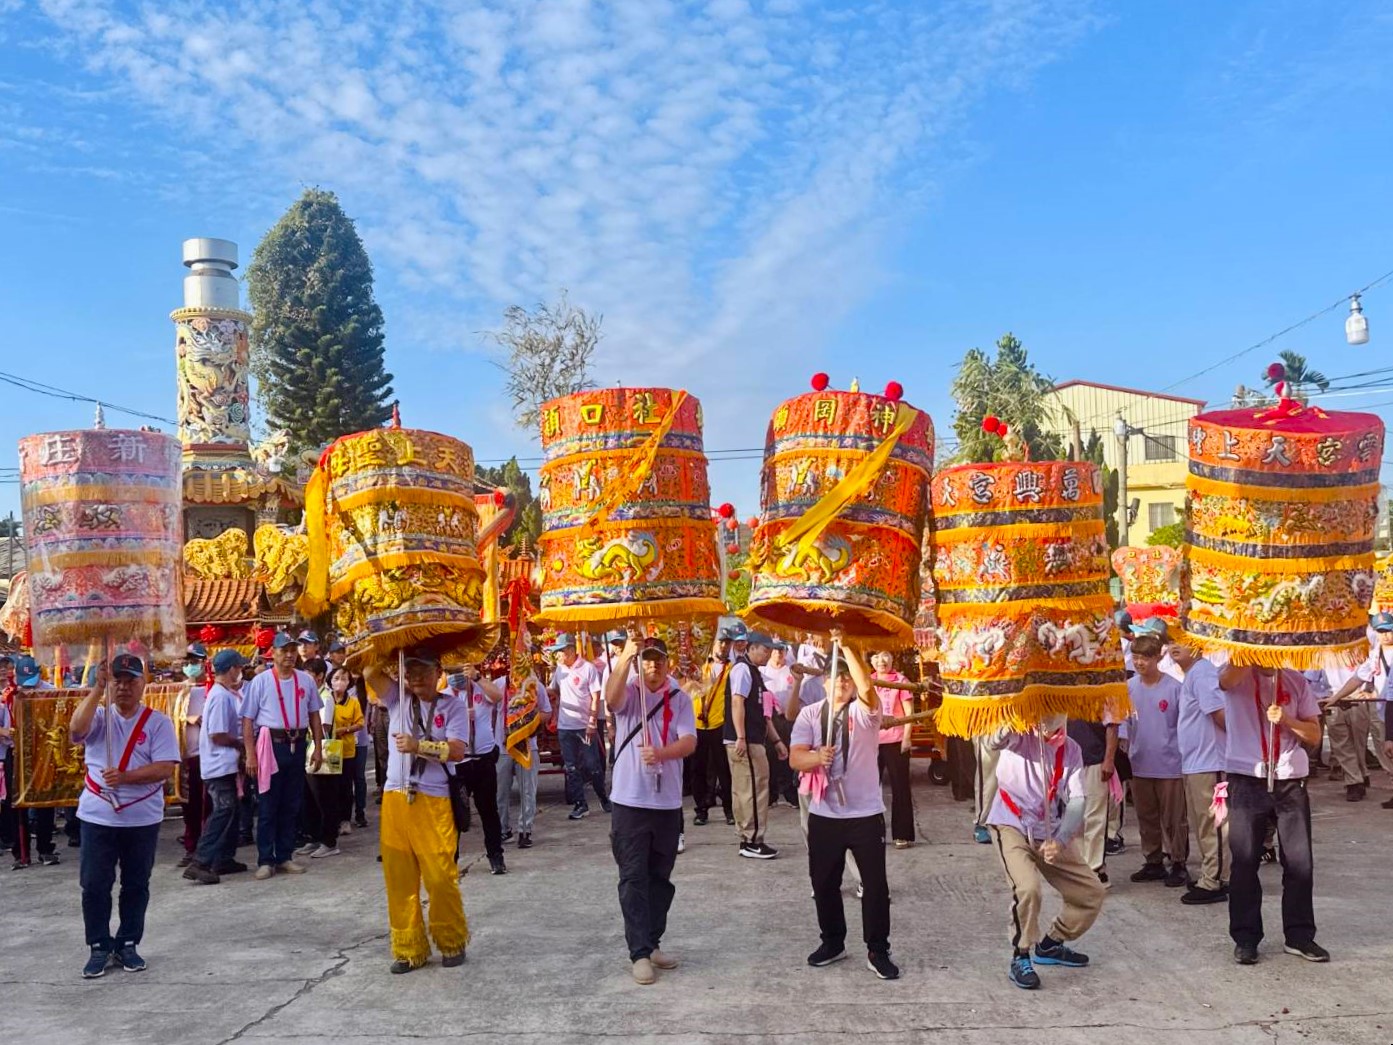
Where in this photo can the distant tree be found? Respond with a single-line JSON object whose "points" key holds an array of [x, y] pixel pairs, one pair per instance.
{"points": [[1093, 451], [547, 353], [1301, 379], [1172, 536], [528, 520], [316, 334], [1010, 388], [737, 587]]}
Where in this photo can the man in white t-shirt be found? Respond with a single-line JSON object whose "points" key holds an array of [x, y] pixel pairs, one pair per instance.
{"points": [[1203, 747], [219, 749], [1153, 748], [575, 685], [1356, 714], [195, 666], [509, 768], [121, 807], [476, 775], [1258, 704], [836, 746]]}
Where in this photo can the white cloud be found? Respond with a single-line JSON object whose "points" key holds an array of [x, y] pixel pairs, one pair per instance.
{"points": [[714, 176]]}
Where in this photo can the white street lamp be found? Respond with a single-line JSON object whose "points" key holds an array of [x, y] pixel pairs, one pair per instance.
{"points": [[1356, 326]]}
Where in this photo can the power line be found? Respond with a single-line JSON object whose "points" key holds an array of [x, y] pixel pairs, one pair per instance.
{"points": [[30, 385]]}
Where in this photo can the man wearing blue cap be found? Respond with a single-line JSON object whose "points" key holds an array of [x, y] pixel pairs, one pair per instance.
{"points": [[575, 684], [219, 748], [195, 667], [121, 807], [746, 730]]}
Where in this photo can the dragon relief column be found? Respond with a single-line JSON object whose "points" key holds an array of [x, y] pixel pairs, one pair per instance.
{"points": [[221, 484]]}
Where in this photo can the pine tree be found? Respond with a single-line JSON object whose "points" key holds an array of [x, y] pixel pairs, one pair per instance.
{"points": [[1010, 388], [317, 332]]}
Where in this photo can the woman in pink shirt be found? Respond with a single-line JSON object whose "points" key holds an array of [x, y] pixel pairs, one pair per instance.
{"points": [[896, 701]]}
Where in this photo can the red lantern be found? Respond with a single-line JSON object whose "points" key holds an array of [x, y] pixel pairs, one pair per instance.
{"points": [[820, 382], [499, 497], [1002, 430], [732, 549], [733, 575], [726, 510], [264, 637], [1276, 372], [893, 391], [752, 522], [991, 424], [732, 525]]}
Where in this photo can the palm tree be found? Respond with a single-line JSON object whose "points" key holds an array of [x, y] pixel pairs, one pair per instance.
{"points": [[1300, 378]]}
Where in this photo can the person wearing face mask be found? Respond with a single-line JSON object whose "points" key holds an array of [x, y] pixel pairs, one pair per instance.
{"points": [[477, 773], [1034, 820], [195, 668], [429, 731], [896, 700], [332, 793], [219, 750], [121, 807]]}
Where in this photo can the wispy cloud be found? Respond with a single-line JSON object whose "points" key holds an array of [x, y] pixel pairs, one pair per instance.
{"points": [[716, 177]]}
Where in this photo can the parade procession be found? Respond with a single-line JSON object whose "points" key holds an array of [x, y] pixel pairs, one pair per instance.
{"points": [[214, 639]]}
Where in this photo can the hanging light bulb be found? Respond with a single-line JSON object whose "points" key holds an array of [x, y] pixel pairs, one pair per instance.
{"points": [[1356, 326]]}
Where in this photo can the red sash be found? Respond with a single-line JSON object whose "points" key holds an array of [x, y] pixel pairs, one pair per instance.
{"points": [[131, 741], [1050, 791]]}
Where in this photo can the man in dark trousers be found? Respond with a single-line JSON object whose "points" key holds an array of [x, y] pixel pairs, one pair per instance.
{"points": [[477, 773], [745, 733]]}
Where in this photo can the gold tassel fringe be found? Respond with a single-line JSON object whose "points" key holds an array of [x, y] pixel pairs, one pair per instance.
{"points": [[619, 612], [1299, 658], [979, 717]]}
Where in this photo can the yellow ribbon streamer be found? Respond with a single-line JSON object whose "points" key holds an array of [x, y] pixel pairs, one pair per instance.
{"points": [[636, 467], [315, 598]]}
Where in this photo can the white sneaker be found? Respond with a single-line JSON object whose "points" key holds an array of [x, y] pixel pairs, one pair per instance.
{"points": [[346, 828], [307, 849], [860, 891], [681, 843], [324, 851]]}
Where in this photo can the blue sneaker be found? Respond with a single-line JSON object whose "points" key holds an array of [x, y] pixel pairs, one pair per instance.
{"points": [[97, 962], [1023, 974], [128, 959], [1058, 954], [981, 835]]}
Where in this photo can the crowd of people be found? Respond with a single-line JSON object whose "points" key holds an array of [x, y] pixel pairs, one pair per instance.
{"points": [[275, 755]]}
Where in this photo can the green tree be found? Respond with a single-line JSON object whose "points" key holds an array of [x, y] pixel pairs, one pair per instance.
{"points": [[1301, 379], [1093, 451], [316, 334], [528, 520], [1010, 388], [1172, 536], [547, 354], [738, 587]]}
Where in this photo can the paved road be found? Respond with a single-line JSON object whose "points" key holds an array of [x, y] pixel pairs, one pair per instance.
{"points": [[306, 958]]}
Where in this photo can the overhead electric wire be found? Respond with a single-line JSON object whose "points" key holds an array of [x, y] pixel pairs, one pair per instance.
{"points": [[30, 385]]}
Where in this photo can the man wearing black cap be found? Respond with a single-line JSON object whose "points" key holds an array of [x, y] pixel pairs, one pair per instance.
{"points": [[195, 667], [219, 747], [283, 706], [745, 733], [429, 730], [121, 807], [710, 767]]}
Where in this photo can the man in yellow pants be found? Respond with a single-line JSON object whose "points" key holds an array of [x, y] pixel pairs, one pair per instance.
{"points": [[418, 827]]}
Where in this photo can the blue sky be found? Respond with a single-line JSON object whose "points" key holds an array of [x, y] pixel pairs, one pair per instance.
{"points": [[748, 191]]}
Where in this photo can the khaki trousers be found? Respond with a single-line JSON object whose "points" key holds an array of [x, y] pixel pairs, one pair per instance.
{"points": [[1350, 731], [984, 779], [1073, 879], [1095, 818], [1213, 841], [749, 790], [1160, 806]]}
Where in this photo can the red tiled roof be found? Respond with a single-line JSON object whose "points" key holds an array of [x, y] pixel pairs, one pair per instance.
{"points": [[222, 601]]}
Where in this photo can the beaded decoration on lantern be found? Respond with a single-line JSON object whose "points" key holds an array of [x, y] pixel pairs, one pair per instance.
{"points": [[1282, 503], [627, 531], [393, 532], [1150, 580], [1025, 615], [103, 529], [843, 511]]}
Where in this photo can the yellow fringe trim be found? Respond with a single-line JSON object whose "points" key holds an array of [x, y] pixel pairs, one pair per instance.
{"points": [[618, 612], [1039, 531], [836, 615], [463, 642], [344, 584], [803, 453], [979, 717], [1245, 564], [125, 493], [637, 464], [314, 600], [408, 495], [1218, 488], [1301, 658], [1103, 603]]}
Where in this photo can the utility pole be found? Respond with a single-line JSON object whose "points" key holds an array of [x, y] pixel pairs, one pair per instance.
{"points": [[1123, 431]]}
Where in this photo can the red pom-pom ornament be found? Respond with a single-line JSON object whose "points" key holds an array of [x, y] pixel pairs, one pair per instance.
{"points": [[752, 521], [820, 382], [732, 525], [991, 424], [726, 511], [499, 497], [1276, 372], [894, 391], [732, 549], [1002, 430]]}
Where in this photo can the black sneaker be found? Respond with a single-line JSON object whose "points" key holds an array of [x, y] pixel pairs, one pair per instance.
{"points": [[1059, 954], [19, 865], [451, 961], [362, 821], [1178, 877], [1102, 875], [507, 836], [606, 805], [758, 851], [826, 955], [1312, 952], [882, 966], [700, 819], [401, 966], [1150, 873], [1268, 856], [730, 820], [97, 962], [1022, 973], [578, 812], [1386, 805], [128, 959], [1245, 953], [1196, 895], [49, 859], [196, 872], [1114, 845], [1354, 792], [496, 865], [525, 840], [230, 867]]}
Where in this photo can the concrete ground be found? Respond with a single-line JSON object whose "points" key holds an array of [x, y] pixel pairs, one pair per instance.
{"points": [[305, 958]]}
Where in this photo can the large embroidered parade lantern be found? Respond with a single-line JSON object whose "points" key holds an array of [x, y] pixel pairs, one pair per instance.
{"points": [[103, 530], [1150, 580], [843, 509], [1282, 503], [626, 519], [1026, 618], [393, 534]]}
